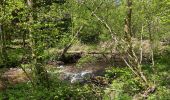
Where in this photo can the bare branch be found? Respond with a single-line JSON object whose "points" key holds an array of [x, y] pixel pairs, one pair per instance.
{"points": [[130, 66], [141, 50]]}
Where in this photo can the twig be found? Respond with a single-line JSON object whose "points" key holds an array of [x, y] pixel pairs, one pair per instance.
{"points": [[71, 43], [28, 76], [81, 27], [141, 49], [105, 23], [130, 67]]}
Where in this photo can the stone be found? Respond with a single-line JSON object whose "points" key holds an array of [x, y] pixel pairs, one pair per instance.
{"points": [[61, 66], [86, 74], [59, 63], [77, 78], [66, 76]]}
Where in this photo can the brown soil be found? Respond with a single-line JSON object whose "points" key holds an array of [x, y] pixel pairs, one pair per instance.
{"points": [[95, 68], [2, 86], [14, 76]]}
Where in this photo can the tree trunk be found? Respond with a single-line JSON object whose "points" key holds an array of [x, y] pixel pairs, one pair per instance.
{"points": [[23, 38], [40, 72], [3, 46], [128, 27], [151, 38], [3, 40]]}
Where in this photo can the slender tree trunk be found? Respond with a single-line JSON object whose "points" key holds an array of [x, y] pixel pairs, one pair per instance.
{"points": [[23, 38], [40, 72], [3, 46], [151, 38], [8, 37], [3, 40], [128, 27]]}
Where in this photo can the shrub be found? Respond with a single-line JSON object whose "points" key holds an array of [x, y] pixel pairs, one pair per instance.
{"points": [[85, 60], [89, 35]]}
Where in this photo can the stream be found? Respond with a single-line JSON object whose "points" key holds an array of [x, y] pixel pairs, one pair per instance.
{"points": [[69, 73]]}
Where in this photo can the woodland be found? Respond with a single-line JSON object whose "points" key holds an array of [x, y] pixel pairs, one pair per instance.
{"points": [[84, 50]]}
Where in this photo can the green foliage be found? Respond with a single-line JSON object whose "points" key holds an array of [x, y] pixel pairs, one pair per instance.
{"points": [[124, 80], [89, 38], [162, 93], [60, 91], [84, 61], [14, 57]]}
